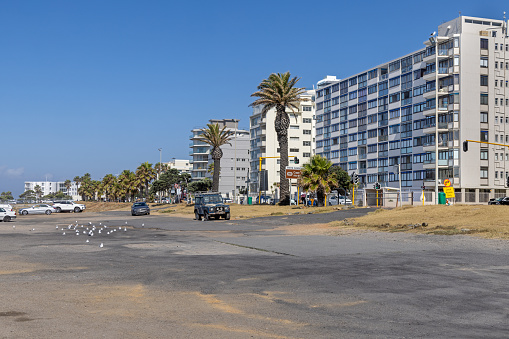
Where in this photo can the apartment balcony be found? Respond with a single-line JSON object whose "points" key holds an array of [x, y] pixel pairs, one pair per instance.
{"points": [[429, 130], [429, 94], [429, 76], [361, 171], [429, 58], [444, 71], [428, 147]]}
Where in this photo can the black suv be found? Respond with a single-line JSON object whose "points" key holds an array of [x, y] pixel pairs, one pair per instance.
{"points": [[208, 205]]}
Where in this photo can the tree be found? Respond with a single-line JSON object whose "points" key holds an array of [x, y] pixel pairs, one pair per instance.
{"points": [[316, 176], [38, 191], [128, 184], [216, 137], [107, 185], [4, 196], [27, 195], [278, 91], [67, 185], [145, 174], [344, 181], [200, 186]]}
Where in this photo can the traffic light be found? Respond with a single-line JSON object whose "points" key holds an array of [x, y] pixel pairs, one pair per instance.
{"points": [[355, 178], [377, 186], [465, 146], [295, 160]]}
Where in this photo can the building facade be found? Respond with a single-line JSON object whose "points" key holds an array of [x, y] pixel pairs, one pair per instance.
{"points": [[234, 163], [49, 187], [182, 165], [405, 120], [264, 143]]}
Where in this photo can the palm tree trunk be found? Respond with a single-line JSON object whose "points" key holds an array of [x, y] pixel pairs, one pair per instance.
{"points": [[281, 124], [215, 178]]}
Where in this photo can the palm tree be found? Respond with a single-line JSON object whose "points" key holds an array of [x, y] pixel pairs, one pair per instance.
{"points": [[128, 184], [67, 185], [216, 137], [38, 191], [145, 174], [278, 91], [107, 184], [316, 176]]}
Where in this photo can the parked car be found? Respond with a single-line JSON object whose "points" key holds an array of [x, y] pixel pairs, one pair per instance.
{"points": [[342, 200], [38, 209], [208, 205], [68, 206], [7, 207], [499, 201], [7, 215], [165, 200], [140, 208]]}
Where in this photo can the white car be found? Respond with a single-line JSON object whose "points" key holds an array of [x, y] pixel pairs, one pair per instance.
{"points": [[334, 200], [7, 215], [68, 206], [38, 209]]}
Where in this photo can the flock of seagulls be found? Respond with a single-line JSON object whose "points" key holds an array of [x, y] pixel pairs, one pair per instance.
{"points": [[89, 230]]}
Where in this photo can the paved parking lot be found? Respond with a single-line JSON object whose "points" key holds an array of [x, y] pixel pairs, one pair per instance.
{"points": [[160, 277]]}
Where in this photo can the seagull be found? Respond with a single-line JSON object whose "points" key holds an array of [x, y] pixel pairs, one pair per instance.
{"points": [[57, 227], [101, 245], [125, 229], [142, 225], [119, 227], [100, 231], [87, 240], [13, 226], [63, 233], [126, 222], [77, 233]]}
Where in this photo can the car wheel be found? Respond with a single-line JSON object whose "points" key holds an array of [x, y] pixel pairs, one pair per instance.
{"points": [[48, 212], [227, 216], [197, 215], [7, 218], [58, 209], [24, 212], [206, 216], [76, 209]]}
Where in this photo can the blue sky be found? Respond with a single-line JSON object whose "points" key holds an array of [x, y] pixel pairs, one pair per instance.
{"points": [[98, 86]]}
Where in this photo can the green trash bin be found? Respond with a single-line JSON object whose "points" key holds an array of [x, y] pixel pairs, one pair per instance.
{"points": [[249, 200], [441, 198]]}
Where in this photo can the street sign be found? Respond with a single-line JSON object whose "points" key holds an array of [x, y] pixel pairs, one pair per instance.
{"points": [[292, 172], [447, 183], [449, 192]]}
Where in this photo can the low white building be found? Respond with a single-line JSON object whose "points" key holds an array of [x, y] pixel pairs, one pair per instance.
{"points": [[182, 165], [49, 187]]}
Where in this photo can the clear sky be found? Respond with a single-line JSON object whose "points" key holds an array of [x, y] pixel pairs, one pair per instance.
{"points": [[98, 86]]}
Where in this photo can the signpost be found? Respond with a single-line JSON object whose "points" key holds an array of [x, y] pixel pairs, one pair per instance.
{"points": [[448, 189], [293, 172]]}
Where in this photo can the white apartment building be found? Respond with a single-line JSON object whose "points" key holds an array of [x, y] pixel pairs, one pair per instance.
{"points": [[182, 165], [234, 163], [411, 115], [48, 187], [264, 143]]}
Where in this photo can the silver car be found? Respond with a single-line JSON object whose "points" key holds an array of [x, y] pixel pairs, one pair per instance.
{"points": [[38, 209]]}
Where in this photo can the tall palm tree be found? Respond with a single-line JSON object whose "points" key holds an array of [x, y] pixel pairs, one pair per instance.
{"points": [[278, 91], [107, 184], [128, 184], [38, 192], [317, 176], [216, 137], [67, 185], [145, 173]]}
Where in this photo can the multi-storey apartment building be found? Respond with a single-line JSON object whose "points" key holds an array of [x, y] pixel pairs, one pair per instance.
{"points": [[49, 187], [301, 140], [410, 115], [234, 163]]}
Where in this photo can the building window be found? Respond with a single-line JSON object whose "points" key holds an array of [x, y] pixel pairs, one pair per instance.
{"points": [[484, 80], [484, 62], [306, 108], [294, 126], [294, 150], [307, 143], [306, 131], [484, 172], [484, 136], [306, 120], [484, 154], [484, 43], [307, 155], [484, 98], [484, 116]]}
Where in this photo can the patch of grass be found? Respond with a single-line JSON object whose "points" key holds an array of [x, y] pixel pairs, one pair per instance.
{"points": [[483, 220]]}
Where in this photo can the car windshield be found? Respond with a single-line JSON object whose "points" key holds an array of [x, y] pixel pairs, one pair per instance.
{"points": [[137, 204], [208, 199]]}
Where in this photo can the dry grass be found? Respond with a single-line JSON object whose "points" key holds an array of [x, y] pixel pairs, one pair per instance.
{"points": [[483, 220], [249, 211]]}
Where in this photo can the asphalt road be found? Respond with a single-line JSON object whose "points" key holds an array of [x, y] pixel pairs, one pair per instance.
{"points": [[164, 277]]}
